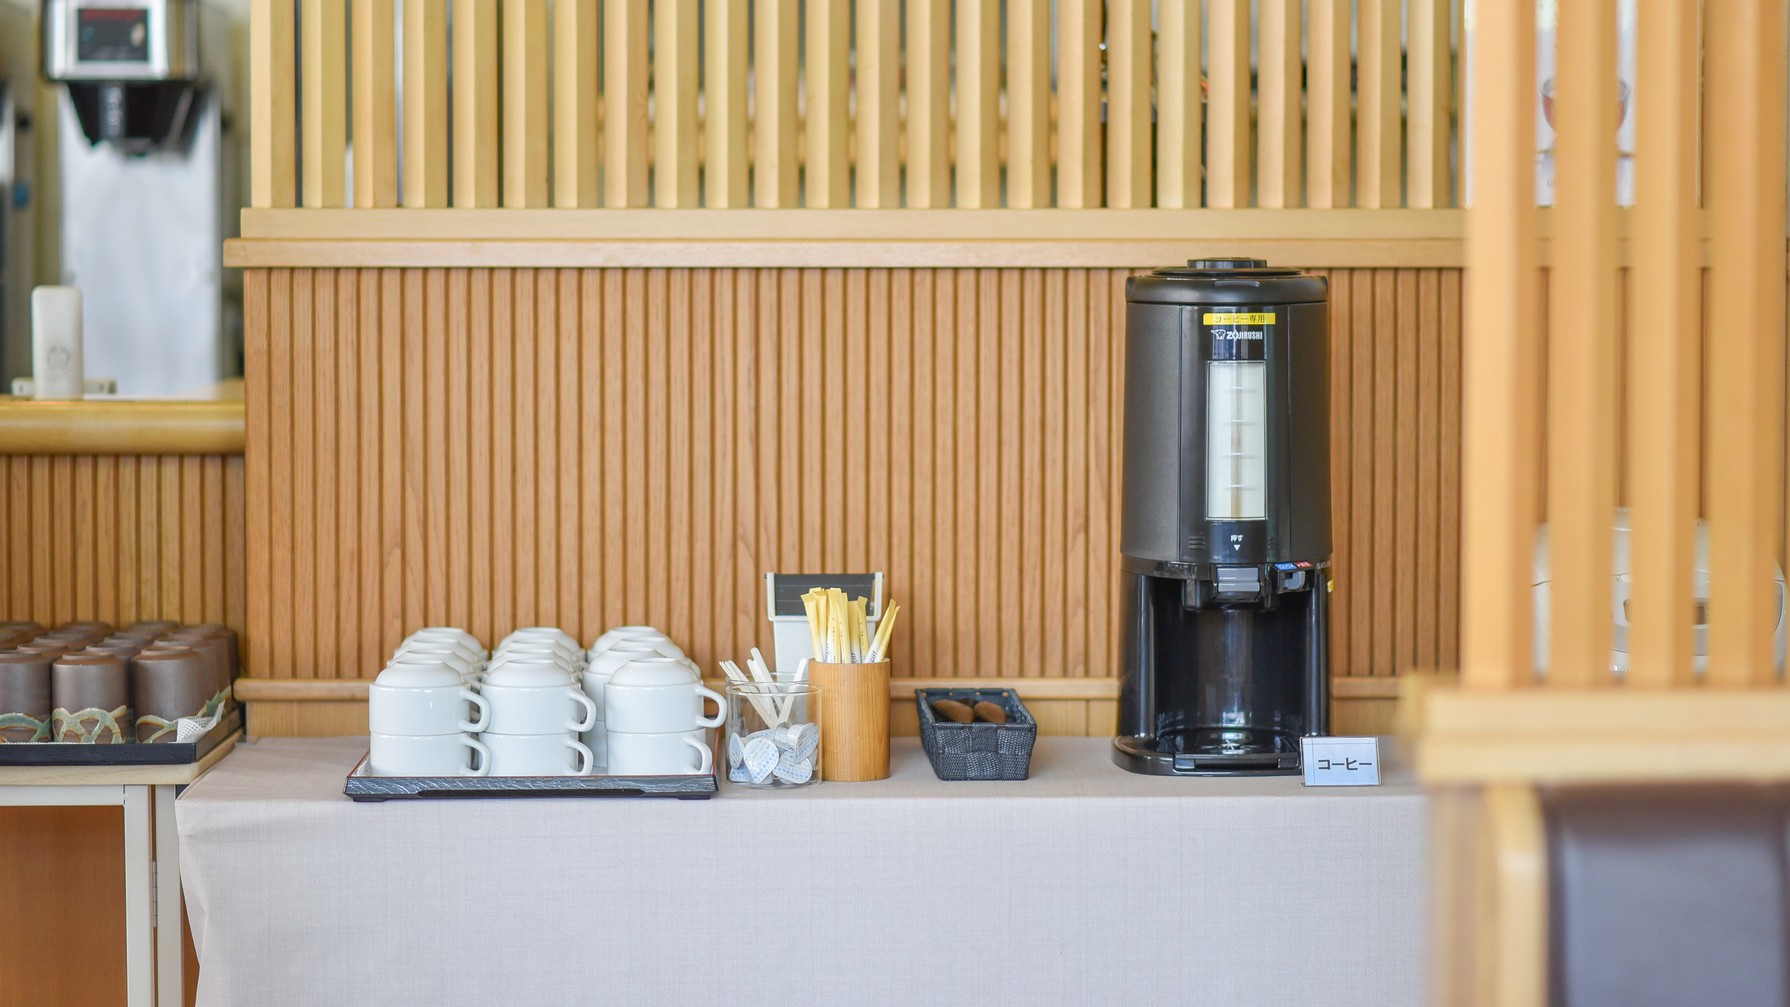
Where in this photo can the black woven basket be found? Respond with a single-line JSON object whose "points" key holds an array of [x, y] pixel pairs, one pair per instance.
{"points": [[978, 751]]}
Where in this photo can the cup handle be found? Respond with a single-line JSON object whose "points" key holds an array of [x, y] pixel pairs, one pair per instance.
{"points": [[484, 705], [587, 763], [484, 766], [706, 763], [720, 707], [576, 695]]}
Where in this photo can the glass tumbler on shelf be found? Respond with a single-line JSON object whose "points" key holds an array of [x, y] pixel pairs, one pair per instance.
{"points": [[773, 734]]}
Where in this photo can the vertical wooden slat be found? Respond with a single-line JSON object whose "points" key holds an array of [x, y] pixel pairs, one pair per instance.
{"points": [[425, 104], [347, 505], [372, 543], [456, 348], [549, 547], [480, 473], [257, 479], [733, 586], [1129, 113], [1365, 560], [633, 434], [323, 479], [273, 174], [805, 308], [526, 546], [775, 167], [928, 103], [505, 387], [625, 59], [698, 613], [105, 540], [926, 510], [417, 431], [576, 88], [1407, 356], [375, 103], [675, 81], [1429, 101], [1745, 193], [393, 380], [1280, 161], [1080, 182], [1181, 106], [973, 430], [302, 605], [1227, 132], [951, 540], [1328, 103], [83, 504], [1103, 307], [989, 460], [1501, 357], [1383, 463], [525, 150], [878, 156], [725, 58], [325, 107], [978, 60], [674, 515], [173, 564], [273, 641], [1663, 352], [1581, 399], [571, 496], [1377, 153], [1053, 658], [1081, 588], [1022, 406], [1430, 447], [827, 56], [1341, 433], [476, 85], [1451, 439]]}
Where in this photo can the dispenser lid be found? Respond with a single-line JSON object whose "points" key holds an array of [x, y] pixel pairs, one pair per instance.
{"points": [[1227, 280]]}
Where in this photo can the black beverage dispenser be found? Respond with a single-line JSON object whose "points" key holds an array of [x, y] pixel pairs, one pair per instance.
{"points": [[1225, 533]]}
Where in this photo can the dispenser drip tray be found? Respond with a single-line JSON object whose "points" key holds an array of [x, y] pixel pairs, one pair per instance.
{"points": [[1203, 751]]}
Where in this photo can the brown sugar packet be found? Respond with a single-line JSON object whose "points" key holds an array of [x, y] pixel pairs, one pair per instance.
{"points": [[952, 710], [991, 712]]}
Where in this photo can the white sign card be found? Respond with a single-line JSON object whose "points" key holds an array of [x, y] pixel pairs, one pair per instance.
{"points": [[1340, 762]]}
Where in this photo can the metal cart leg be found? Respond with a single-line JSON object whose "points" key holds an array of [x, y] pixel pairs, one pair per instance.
{"points": [[139, 908], [170, 915]]}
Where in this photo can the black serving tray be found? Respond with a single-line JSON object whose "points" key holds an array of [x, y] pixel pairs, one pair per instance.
{"points": [[157, 753], [363, 786]]}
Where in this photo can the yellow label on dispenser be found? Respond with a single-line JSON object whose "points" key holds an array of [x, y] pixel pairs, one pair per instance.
{"points": [[1238, 318]]}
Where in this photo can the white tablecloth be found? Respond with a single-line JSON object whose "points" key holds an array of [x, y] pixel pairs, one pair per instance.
{"points": [[1085, 884]]}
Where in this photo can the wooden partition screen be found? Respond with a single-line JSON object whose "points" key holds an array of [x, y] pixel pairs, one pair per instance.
{"points": [[872, 103], [1682, 421]]}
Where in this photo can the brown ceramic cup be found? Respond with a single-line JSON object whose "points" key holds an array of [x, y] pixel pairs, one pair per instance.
{"points": [[91, 693], [124, 649], [215, 651], [166, 686], [49, 649], [24, 696], [154, 627], [22, 625], [231, 644]]}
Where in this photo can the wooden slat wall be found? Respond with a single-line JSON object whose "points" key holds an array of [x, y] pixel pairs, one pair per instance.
{"points": [[974, 128], [497, 448], [122, 538]]}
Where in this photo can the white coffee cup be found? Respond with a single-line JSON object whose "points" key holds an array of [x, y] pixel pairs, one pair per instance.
{"points": [[550, 709], [558, 652], [538, 755], [645, 635], [427, 755], [529, 669], [535, 634], [447, 634], [418, 699], [656, 695], [441, 644], [460, 665], [597, 740], [609, 660], [679, 754]]}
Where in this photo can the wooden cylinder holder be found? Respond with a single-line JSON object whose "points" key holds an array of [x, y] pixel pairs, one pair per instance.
{"points": [[854, 720]]}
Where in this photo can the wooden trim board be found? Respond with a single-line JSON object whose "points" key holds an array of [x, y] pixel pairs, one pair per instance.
{"points": [[120, 428]]}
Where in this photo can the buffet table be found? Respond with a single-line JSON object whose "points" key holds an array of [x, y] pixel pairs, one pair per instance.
{"points": [[1084, 884]]}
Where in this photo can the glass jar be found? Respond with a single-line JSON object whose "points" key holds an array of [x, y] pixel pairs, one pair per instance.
{"points": [[773, 734]]}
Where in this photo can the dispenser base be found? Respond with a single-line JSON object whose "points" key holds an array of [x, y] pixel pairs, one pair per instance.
{"points": [[1142, 755]]}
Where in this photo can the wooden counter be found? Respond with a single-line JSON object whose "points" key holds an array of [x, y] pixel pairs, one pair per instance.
{"points": [[210, 423]]}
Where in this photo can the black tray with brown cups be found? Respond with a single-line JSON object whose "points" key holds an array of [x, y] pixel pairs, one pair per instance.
{"points": [[362, 785], [130, 753]]}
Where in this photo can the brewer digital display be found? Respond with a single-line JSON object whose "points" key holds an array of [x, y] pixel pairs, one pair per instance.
{"points": [[113, 35]]}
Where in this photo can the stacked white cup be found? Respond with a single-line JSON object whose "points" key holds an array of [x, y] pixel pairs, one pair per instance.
{"points": [[423, 711], [537, 708], [649, 698]]}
